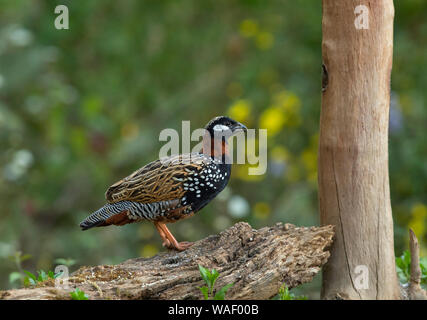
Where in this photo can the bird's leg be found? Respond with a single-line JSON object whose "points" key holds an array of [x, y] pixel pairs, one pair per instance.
{"points": [[166, 243], [179, 246]]}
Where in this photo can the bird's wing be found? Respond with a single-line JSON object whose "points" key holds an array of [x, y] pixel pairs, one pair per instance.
{"points": [[160, 180]]}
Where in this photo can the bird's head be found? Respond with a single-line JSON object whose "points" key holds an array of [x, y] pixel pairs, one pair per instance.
{"points": [[224, 126], [218, 130]]}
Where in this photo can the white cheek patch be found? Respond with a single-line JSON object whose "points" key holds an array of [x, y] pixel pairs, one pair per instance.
{"points": [[220, 127]]}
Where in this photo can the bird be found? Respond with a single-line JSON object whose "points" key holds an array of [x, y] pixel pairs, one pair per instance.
{"points": [[172, 188]]}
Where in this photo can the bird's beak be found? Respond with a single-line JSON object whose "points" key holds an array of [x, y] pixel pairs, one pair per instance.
{"points": [[238, 127]]}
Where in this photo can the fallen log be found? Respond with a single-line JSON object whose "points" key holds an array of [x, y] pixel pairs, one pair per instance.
{"points": [[257, 262]]}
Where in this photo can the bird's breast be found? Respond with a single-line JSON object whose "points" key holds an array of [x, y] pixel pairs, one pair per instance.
{"points": [[202, 186]]}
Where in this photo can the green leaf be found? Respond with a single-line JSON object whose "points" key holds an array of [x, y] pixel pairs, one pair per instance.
{"points": [[214, 276], [31, 276], [14, 276], [285, 294], [220, 295], [406, 257], [205, 291], [26, 282], [206, 275], [42, 276], [78, 294], [403, 266]]}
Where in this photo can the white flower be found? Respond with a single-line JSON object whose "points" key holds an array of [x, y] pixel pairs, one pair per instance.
{"points": [[19, 165], [238, 207], [19, 36]]}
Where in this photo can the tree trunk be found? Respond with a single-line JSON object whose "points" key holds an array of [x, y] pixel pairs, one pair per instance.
{"points": [[354, 190], [257, 262]]}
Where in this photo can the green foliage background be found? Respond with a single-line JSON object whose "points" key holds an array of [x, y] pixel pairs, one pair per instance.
{"points": [[82, 108]]}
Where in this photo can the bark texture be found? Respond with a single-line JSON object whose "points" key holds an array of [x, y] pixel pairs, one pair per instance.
{"points": [[415, 292], [258, 262], [354, 191]]}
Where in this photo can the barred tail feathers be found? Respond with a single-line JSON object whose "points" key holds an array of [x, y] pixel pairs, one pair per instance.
{"points": [[111, 213]]}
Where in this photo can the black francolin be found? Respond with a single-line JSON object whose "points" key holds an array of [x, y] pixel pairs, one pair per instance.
{"points": [[172, 188]]}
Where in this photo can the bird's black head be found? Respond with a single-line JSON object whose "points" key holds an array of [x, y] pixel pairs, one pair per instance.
{"points": [[218, 130], [223, 124]]}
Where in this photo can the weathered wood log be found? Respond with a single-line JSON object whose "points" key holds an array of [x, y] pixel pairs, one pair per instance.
{"points": [[257, 262], [415, 292]]}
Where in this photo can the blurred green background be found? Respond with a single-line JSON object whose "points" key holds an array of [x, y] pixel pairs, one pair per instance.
{"points": [[82, 108]]}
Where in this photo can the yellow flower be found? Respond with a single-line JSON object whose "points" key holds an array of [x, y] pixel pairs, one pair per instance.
{"points": [[288, 101], [419, 211], [417, 223], [272, 119], [149, 250], [264, 40], [262, 210], [240, 110], [309, 158], [248, 28]]}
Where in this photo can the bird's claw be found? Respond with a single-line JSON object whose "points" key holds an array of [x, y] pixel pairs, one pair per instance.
{"points": [[180, 246], [167, 244]]}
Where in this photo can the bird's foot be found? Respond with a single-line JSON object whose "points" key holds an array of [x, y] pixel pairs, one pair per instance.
{"points": [[167, 244], [168, 239], [180, 246], [184, 245]]}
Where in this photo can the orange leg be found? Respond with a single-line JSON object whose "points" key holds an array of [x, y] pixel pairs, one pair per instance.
{"points": [[169, 240], [166, 242]]}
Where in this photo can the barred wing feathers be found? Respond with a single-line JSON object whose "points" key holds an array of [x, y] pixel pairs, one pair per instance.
{"points": [[160, 180]]}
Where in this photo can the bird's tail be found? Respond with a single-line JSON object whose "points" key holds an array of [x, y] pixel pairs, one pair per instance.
{"points": [[111, 213]]}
